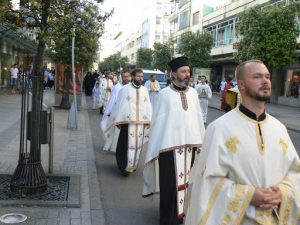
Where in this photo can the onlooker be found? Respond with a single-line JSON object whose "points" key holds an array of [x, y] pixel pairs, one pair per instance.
{"points": [[14, 78]]}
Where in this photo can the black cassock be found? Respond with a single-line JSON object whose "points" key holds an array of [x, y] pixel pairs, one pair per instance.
{"points": [[168, 189]]}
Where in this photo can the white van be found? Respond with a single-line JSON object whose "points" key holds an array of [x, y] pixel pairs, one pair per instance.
{"points": [[160, 76]]}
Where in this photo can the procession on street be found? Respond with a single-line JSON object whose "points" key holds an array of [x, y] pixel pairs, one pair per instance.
{"points": [[222, 175]]}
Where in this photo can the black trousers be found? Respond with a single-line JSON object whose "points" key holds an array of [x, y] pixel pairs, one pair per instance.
{"points": [[168, 188], [122, 147]]}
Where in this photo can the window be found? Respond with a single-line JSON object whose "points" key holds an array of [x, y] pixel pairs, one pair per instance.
{"points": [[184, 20], [158, 20], [157, 37], [196, 18]]}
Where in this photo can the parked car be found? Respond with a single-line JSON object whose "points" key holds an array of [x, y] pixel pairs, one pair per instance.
{"points": [[160, 76]]}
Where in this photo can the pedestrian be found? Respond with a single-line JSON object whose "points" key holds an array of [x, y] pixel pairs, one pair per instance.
{"points": [[111, 135], [153, 87], [176, 132], [96, 94], [236, 179], [14, 78], [204, 94], [222, 87], [131, 114]]}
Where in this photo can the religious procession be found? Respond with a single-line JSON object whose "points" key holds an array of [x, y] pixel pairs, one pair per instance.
{"points": [[204, 174], [150, 112]]}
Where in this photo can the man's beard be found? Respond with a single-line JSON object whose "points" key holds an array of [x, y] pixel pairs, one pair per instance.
{"points": [[257, 96], [137, 83], [125, 82], [183, 83]]}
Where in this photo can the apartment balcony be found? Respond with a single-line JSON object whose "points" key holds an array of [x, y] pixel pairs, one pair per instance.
{"points": [[230, 10]]}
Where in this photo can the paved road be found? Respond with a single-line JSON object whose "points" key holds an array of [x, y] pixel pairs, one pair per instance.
{"points": [[121, 196]]}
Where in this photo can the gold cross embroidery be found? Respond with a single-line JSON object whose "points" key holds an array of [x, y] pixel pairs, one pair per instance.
{"points": [[231, 144], [284, 146]]}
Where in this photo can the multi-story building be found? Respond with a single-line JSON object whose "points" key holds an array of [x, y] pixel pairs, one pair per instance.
{"points": [[220, 20], [153, 26]]}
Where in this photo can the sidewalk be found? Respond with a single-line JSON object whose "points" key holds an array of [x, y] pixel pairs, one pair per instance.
{"points": [[73, 154], [289, 116]]}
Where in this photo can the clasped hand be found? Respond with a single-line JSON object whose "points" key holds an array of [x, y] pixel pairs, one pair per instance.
{"points": [[266, 198]]}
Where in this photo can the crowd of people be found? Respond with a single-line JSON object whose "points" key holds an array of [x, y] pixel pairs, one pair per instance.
{"points": [[215, 174], [18, 74]]}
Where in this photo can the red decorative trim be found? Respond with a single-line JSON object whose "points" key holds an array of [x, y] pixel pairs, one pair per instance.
{"points": [[181, 216], [182, 187]]}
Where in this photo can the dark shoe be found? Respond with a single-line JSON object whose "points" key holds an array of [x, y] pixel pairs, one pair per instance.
{"points": [[125, 173]]}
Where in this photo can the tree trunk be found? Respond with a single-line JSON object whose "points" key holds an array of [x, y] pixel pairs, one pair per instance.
{"points": [[277, 80]]}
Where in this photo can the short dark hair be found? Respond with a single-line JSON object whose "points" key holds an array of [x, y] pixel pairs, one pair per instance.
{"points": [[135, 71], [239, 71]]}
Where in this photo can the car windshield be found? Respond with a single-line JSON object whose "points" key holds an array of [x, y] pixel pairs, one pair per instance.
{"points": [[159, 77]]}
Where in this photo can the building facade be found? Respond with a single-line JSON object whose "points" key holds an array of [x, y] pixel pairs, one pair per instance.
{"points": [[153, 26], [220, 21], [13, 50]]}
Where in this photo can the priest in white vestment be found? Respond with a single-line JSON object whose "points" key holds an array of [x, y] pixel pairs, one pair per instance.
{"points": [[131, 114], [248, 171], [153, 87], [106, 86], [176, 133], [204, 94], [111, 135]]}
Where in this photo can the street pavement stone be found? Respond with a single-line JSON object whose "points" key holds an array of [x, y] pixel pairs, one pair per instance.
{"points": [[73, 154]]}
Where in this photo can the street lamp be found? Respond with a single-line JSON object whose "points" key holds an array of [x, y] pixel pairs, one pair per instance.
{"points": [[72, 119]]}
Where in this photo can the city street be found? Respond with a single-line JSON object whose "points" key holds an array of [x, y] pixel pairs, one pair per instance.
{"points": [[121, 196]]}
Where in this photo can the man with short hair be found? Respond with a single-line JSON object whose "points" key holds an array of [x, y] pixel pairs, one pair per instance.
{"points": [[248, 171], [204, 93], [176, 133], [131, 114], [14, 78], [153, 87], [111, 135]]}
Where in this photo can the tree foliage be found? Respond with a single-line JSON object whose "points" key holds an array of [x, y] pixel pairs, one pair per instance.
{"points": [[88, 29], [162, 54], [114, 62], [268, 34], [144, 58], [196, 46]]}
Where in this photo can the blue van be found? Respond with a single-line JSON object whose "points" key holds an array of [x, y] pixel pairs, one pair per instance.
{"points": [[160, 76]]}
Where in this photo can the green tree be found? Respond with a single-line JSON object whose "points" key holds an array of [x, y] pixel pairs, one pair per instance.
{"points": [[196, 46], [114, 62], [162, 54], [40, 17], [269, 34], [144, 58], [88, 30]]}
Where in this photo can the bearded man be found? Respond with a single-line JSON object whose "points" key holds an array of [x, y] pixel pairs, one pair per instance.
{"points": [[176, 133], [236, 180]]}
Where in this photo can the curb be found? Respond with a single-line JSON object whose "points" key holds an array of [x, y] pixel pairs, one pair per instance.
{"points": [[287, 127]]}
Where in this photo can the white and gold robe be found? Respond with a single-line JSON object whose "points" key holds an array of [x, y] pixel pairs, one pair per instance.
{"points": [[176, 126], [234, 160], [204, 93], [132, 107], [106, 86], [111, 135], [153, 88]]}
